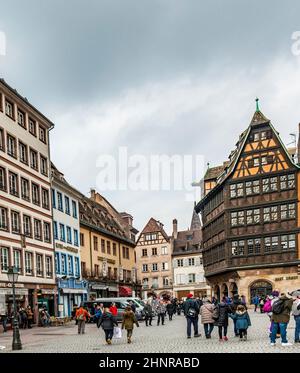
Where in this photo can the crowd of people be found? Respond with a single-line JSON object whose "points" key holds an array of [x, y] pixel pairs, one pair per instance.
{"points": [[212, 313]]}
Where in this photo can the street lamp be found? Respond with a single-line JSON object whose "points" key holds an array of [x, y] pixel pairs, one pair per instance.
{"points": [[13, 275]]}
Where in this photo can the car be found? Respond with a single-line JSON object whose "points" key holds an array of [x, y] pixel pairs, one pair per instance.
{"points": [[107, 302]]}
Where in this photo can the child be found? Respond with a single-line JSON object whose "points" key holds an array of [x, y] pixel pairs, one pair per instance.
{"points": [[129, 320], [242, 321]]}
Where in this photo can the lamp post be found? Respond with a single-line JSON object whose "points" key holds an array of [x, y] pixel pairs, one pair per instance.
{"points": [[13, 275]]}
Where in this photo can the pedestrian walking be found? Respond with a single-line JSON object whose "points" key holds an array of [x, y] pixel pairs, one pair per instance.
{"points": [[261, 304], [161, 312], [81, 316], [206, 312], [129, 319], [29, 314], [191, 312], [23, 317], [296, 314], [242, 319], [236, 301], [170, 310], [221, 319], [107, 321], [4, 319], [148, 311], [255, 302], [281, 310]]}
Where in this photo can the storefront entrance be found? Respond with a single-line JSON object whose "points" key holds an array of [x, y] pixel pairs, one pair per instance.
{"points": [[261, 288]]}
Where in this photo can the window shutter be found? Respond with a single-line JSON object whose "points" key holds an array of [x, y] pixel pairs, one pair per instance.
{"points": [[197, 261], [175, 263], [185, 262]]}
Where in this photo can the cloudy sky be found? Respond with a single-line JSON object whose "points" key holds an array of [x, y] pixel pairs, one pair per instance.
{"points": [[160, 77]]}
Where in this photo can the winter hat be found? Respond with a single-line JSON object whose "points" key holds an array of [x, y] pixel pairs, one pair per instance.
{"points": [[190, 295], [275, 293]]}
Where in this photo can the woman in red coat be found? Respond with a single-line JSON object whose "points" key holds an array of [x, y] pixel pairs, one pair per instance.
{"points": [[113, 309]]}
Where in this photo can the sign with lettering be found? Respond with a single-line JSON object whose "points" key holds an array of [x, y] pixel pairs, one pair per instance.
{"points": [[67, 248], [133, 274]]}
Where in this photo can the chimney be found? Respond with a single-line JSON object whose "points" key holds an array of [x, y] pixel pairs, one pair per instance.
{"points": [[298, 145], [93, 194], [175, 232]]}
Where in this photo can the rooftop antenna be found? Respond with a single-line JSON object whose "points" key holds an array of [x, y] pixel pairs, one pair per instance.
{"points": [[293, 135]]}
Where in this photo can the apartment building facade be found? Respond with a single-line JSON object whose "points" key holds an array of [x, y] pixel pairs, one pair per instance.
{"points": [[107, 249], [25, 203]]}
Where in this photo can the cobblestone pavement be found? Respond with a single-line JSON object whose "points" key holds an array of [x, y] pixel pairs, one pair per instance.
{"points": [[170, 337]]}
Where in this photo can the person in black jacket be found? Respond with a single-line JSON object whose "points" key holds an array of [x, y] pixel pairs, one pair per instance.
{"points": [[170, 310], [191, 312], [222, 311], [107, 321]]}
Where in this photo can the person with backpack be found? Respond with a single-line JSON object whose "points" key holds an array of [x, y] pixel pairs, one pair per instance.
{"points": [[81, 316], [107, 321], [191, 312], [220, 316], [281, 310], [206, 312], [129, 319], [242, 319], [296, 314]]}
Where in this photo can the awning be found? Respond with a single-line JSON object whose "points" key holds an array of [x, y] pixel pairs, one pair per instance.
{"points": [[125, 291], [73, 291]]}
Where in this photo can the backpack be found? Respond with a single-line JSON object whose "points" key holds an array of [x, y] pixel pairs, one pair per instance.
{"points": [[215, 314], [295, 309], [268, 306], [278, 307], [192, 311]]}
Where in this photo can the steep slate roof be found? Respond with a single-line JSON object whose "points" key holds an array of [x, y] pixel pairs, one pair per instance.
{"points": [[213, 172], [96, 216], [257, 119], [187, 242], [195, 223], [154, 226]]}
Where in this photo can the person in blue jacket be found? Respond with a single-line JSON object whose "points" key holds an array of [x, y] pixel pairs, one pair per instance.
{"points": [[242, 321]]}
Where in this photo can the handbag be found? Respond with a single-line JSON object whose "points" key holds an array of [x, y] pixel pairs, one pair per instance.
{"points": [[117, 332]]}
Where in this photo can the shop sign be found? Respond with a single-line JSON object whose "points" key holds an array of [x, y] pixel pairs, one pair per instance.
{"points": [[121, 273], [9, 285]]}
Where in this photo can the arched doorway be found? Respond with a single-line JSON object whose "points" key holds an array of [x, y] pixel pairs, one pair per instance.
{"points": [[262, 288], [217, 292], [234, 289], [224, 291]]}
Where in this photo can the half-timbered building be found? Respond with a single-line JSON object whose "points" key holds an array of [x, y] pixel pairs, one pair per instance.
{"points": [[251, 217], [153, 260]]}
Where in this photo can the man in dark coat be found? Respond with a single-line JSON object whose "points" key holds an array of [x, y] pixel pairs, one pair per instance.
{"points": [[191, 312]]}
